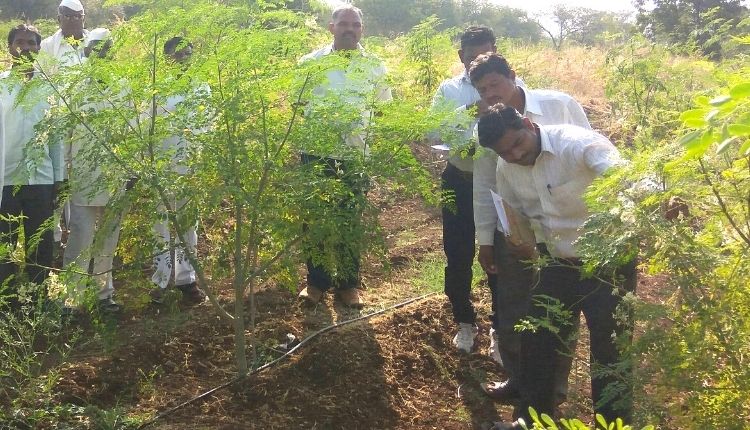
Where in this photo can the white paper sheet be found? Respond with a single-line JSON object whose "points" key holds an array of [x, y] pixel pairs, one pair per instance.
{"points": [[501, 215]]}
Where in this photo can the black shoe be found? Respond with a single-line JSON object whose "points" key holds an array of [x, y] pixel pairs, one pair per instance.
{"points": [[108, 306], [502, 392], [191, 293]]}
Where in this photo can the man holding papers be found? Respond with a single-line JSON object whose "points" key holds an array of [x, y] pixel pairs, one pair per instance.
{"points": [[542, 173], [495, 82]]}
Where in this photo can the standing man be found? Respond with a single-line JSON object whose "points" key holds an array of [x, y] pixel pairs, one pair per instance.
{"points": [[179, 51], [32, 170], [458, 211], [494, 79], [63, 49], [66, 46], [543, 172], [354, 85], [89, 219]]}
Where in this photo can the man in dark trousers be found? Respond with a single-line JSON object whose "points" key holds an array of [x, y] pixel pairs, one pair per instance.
{"points": [[32, 171], [355, 85], [458, 214], [543, 173], [495, 81]]}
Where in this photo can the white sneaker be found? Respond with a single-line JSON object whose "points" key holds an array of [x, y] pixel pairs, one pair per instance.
{"points": [[464, 339], [495, 347]]}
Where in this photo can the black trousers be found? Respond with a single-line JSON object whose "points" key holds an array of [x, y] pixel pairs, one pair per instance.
{"points": [[516, 282], [598, 300], [36, 204], [346, 207], [459, 244]]}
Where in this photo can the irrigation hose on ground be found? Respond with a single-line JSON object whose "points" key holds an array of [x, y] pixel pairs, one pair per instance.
{"points": [[278, 360]]}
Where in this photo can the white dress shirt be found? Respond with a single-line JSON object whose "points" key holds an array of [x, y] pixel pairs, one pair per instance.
{"points": [[85, 156], [460, 93], [551, 190], [356, 88], [26, 162], [56, 52], [543, 107], [179, 145]]}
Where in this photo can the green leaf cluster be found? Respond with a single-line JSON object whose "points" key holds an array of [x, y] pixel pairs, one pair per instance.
{"points": [[690, 349]]}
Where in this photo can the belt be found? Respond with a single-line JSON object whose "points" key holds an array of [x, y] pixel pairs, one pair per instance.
{"points": [[573, 261], [456, 171]]}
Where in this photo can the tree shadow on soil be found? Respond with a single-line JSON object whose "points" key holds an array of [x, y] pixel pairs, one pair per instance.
{"points": [[337, 382], [481, 409]]}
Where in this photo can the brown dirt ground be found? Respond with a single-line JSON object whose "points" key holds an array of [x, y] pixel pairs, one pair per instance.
{"points": [[397, 370]]}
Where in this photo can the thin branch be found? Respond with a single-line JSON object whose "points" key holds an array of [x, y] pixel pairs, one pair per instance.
{"points": [[722, 204], [265, 266]]}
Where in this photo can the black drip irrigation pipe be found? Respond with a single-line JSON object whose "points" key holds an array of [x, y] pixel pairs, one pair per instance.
{"points": [[278, 360]]}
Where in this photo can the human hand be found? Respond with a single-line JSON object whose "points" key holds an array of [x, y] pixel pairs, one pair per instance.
{"points": [[486, 258]]}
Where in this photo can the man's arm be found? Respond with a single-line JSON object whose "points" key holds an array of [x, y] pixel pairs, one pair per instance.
{"points": [[57, 156], [600, 154], [485, 215]]}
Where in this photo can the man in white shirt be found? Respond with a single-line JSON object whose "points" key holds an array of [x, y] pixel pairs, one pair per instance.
{"points": [[89, 219], [178, 50], [543, 172], [32, 171], [66, 46], [495, 82], [457, 211], [353, 83], [63, 49]]}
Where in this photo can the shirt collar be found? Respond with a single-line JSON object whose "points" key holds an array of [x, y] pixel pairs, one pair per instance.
{"points": [[330, 49], [546, 144], [465, 77], [532, 103]]}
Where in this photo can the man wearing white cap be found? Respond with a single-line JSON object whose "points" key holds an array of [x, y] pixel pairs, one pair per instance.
{"points": [[88, 217], [98, 42], [67, 44], [62, 49]]}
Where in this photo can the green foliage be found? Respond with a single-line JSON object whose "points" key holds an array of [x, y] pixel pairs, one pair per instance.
{"points": [[423, 44], [33, 343], [723, 121], [248, 109], [545, 422], [395, 17], [693, 24], [692, 349], [647, 89]]}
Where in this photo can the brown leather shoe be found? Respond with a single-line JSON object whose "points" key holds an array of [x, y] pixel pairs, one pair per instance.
{"points": [[350, 297], [311, 295], [191, 293]]}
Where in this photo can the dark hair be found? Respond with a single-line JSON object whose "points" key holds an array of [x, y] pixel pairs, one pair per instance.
{"points": [[496, 122], [488, 63], [477, 35], [170, 46], [24, 27]]}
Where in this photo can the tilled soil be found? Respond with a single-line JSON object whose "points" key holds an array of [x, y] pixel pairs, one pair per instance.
{"points": [[397, 370]]}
